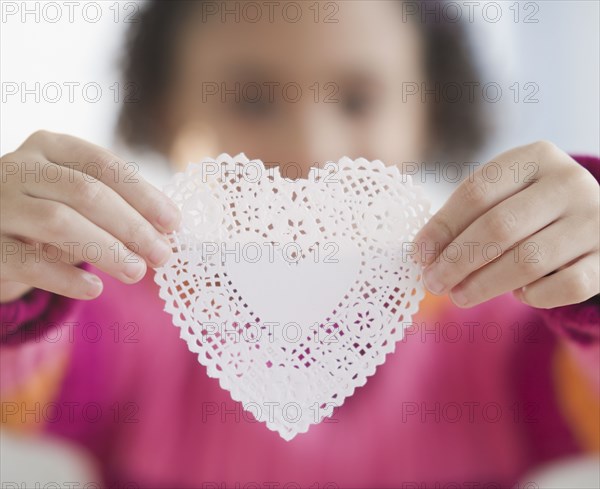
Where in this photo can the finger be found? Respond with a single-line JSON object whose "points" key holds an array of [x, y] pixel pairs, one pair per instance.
{"points": [[105, 208], [51, 252], [121, 176], [571, 285], [497, 230], [59, 278], [489, 185], [56, 224], [539, 255]]}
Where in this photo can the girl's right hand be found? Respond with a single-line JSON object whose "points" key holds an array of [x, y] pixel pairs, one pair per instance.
{"points": [[64, 201]]}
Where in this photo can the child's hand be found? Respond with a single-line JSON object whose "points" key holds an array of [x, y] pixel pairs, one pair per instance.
{"points": [[55, 215], [535, 206]]}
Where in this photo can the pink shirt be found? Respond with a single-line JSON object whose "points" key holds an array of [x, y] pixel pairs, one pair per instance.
{"points": [[467, 399]]}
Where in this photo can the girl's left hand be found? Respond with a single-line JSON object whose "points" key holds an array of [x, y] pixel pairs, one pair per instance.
{"points": [[528, 222]]}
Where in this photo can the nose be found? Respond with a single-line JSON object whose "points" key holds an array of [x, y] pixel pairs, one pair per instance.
{"points": [[313, 138]]}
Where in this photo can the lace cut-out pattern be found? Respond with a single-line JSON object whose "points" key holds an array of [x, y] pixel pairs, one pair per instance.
{"points": [[291, 293]]}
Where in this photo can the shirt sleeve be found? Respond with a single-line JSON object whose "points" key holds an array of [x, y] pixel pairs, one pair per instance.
{"points": [[27, 318], [578, 325], [33, 340]]}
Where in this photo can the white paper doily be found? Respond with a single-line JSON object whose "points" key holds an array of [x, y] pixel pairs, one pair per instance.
{"points": [[291, 293]]}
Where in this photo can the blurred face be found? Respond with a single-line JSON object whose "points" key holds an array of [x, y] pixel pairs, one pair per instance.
{"points": [[298, 94]]}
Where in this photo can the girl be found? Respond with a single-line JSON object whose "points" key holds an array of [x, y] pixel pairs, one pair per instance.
{"points": [[475, 409]]}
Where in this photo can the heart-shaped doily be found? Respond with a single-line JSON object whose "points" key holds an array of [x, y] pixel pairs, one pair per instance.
{"points": [[291, 293]]}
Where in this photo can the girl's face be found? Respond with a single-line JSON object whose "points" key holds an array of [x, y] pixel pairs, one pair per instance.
{"points": [[298, 94]]}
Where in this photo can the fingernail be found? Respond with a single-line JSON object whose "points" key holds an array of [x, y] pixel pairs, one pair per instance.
{"points": [[135, 270], [169, 217], [93, 286], [432, 282], [459, 297], [160, 252]]}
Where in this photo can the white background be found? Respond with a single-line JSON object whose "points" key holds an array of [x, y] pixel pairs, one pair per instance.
{"points": [[560, 53]]}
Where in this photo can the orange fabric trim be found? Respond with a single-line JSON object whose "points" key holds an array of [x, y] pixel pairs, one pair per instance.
{"points": [[432, 307], [24, 409], [577, 400]]}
